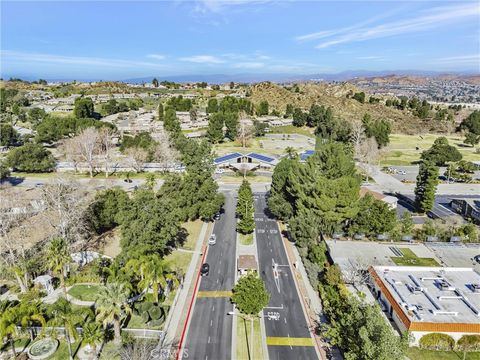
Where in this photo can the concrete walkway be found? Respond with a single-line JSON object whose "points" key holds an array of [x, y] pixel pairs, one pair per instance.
{"points": [[176, 312]]}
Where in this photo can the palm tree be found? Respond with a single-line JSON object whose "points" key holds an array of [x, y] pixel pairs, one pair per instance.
{"points": [[57, 258], [30, 314], [112, 306], [92, 334], [155, 275], [8, 326], [117, 273], [291, 152], [64, 315]]}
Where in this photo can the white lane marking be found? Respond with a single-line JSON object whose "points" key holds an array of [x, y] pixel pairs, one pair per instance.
{"points": [[209, 339], [211, 322], [285, 320], [289, 342], [274, 307], [217, 281], [213, 308]]}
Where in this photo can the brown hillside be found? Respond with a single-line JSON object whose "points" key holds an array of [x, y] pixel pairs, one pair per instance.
{"points": [[346, 108]]}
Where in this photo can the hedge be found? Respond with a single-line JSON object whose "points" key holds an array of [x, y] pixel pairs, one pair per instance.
{"points": [[437, 341], [469, 343]]}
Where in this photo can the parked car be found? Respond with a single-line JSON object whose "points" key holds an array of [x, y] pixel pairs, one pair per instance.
{"points": [[477, 259], [212, 240], [205, 269], [216, 216], [219, 171]]}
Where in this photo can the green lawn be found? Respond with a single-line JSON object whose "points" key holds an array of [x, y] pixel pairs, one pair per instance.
{"points": [[85, 292], [290, 129], [410, 259], [179, 260], [244, 339], [246, 239], [136, 322], [415, 353], [402, 148], [193, 228], [19, 343], [62, 351]]}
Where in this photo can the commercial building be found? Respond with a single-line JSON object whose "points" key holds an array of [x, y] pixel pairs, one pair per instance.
{"points": [[423, 300]]}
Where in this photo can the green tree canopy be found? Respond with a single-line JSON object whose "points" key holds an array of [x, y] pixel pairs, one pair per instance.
{"points": [[441, 152], [215, 127], [31, 158], [84, 108], [104, 212], [374, 217], [245, 209], [8, 135], [148, 224], [427, 181], [250, 295], [472, 123]]}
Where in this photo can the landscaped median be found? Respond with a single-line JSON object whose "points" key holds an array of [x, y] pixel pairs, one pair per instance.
{"points": [[249, 345]]}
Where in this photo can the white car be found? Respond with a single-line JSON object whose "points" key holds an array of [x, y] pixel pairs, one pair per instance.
{"points": [[219, 171], [212, 240]]}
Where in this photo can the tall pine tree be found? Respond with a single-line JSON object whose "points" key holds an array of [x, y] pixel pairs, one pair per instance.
{"points": [[427, 181], [245, 209]]}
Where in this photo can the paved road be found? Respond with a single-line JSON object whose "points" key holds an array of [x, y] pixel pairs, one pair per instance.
{"points": [[284, 299], [209, 335]]}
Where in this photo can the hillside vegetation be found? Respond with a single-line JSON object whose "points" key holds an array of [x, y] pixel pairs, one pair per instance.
{"points": [[346, 108]]}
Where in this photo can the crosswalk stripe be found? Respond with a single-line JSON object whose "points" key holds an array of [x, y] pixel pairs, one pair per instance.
{"points": [[210, 294], [289, 341]]}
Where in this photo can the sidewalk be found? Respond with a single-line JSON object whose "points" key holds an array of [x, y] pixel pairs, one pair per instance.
{"points": [[177, 314]]}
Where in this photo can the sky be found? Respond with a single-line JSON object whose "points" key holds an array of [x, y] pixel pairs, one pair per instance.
{"points": [[117, 40]]}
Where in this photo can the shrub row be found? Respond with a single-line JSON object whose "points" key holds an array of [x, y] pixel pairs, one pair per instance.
{"points": [[444, 342]]}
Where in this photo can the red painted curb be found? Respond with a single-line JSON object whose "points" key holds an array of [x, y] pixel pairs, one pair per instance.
{"points": [[191, 304]]}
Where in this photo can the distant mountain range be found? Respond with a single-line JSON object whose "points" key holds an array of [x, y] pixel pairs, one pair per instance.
{"points": [[252, 78], [274, 77]]}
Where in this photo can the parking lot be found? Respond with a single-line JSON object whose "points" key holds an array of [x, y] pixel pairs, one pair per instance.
{"points": [[409, 173]]}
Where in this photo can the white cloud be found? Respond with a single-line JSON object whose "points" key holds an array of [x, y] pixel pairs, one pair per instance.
{"points": [[460, 60], [156, 56], [435, 17], [205, 59], [249, 65], [72, 60]]}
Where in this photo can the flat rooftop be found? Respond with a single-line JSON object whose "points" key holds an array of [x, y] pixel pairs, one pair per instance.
{"points": [[433, 294]]}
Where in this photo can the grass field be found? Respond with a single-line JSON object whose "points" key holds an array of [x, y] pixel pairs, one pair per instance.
{"points": [[235, 146], [402, 148], [410, 259], [19, 344], [246, 239], [62, 351], [193, 228], [179, 260], [243, 340], [290, 129], [85, 292], [415, 353]]}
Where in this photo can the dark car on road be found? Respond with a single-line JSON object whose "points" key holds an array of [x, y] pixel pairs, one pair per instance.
{"points": [[205, 269], [477, 259]]}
